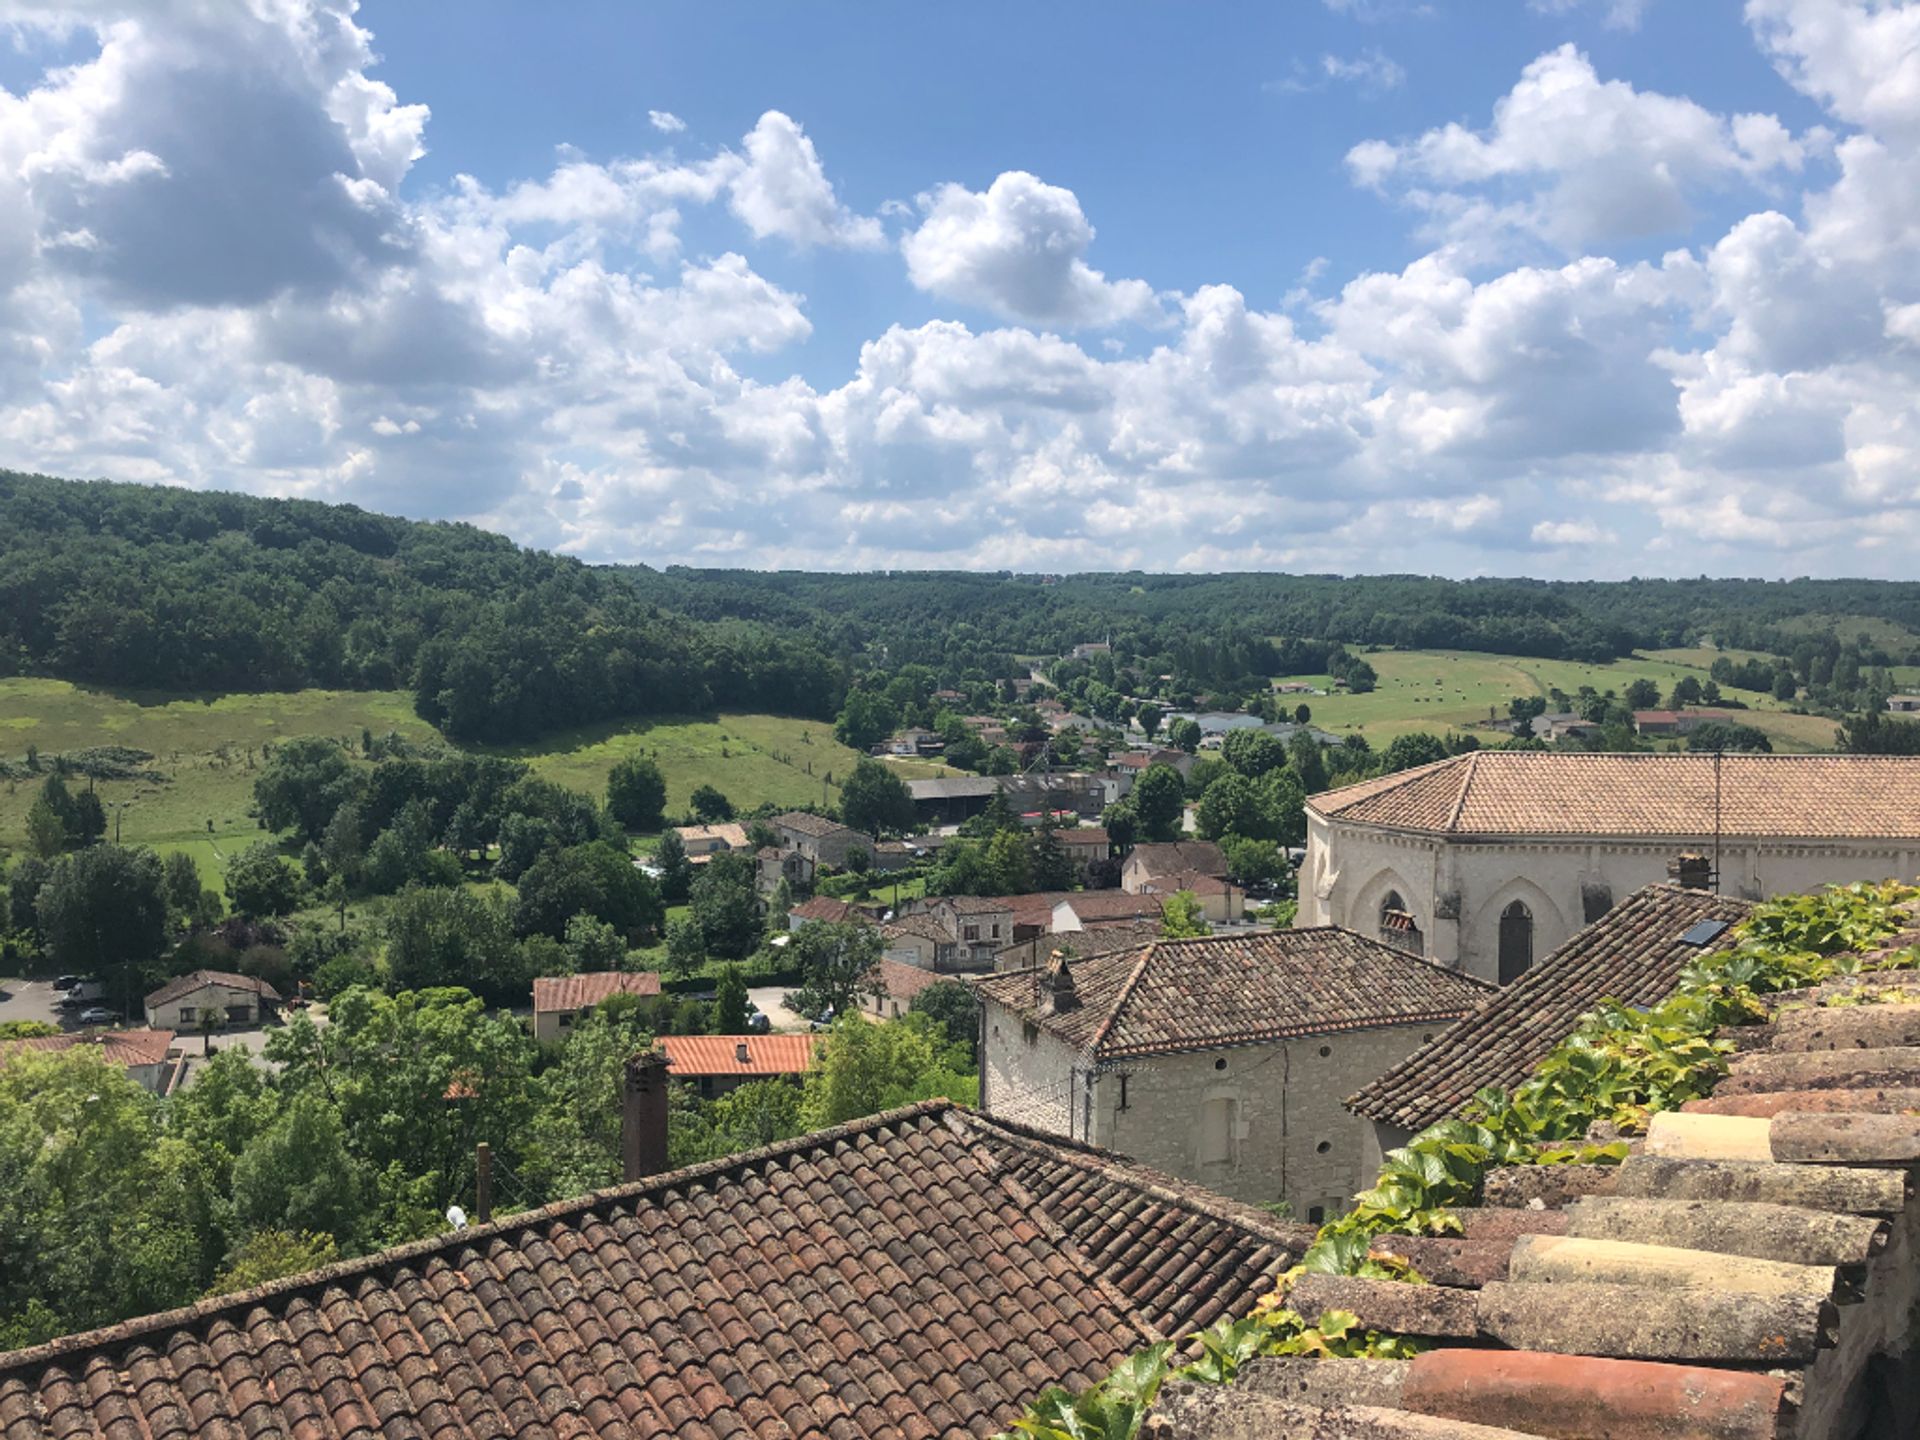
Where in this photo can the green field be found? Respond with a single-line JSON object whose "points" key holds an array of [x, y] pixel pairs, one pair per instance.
{"points": [[209, 751], [1437, 690]]}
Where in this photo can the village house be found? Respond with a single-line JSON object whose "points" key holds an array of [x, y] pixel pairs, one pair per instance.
{"points": [[1633, 954], [1677, 722], [148, 1056], [920, 941], [1097, 939], [1485, 861], [911, 742], [703, 842], [1903, 704], [825, 842], [964, 1265], [978, 924], [899, 984], [717, 1064], [824, 908], [1160, 861], [1561, 725], [1221, 902], [559, 1001], [1091, 909], [1136, 763], [1222, 1060], [772, 865], [186, 1003], [1086, 846], [1089, 649]]}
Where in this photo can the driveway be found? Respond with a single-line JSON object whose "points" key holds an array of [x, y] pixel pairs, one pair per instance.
{"points": [[770, 999], [31, 1000]]}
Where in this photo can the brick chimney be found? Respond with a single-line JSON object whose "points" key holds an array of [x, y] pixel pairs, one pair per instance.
{"points": [[1061, 996], [643, 1115], [1691, 872]]}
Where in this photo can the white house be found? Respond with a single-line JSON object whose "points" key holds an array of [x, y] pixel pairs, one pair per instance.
{"points": [[1488, 860], [184, 1003], [146, 1055], [1223, 1060], [559, 1001]]}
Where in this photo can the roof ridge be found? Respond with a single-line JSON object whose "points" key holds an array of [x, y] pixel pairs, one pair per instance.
{"points": [[471, 1235], [1127, 986], [1397, 779], [1460, 800]]}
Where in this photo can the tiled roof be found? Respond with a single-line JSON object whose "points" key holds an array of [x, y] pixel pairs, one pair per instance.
{"points": [[904, 981], [1633, 954], [187, 984], [1194, 880], [817, 826], [1092, 905], [693, 1055], [1746, 1273], [730, 834], [899, 1276], [1173, 856], [1182, 1255], [1091, 836], [825, 907], [577, 992], [1174, 995], [976, 904], [116, 1047], [923, 927], [1517, 792]]}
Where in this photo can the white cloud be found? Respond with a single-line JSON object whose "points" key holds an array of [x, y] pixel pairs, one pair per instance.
{"points": [[542, 356], [1019, 249], [1371, 72], [1617, 14], [1571, 532], [783, 190], [666, 122], [1576, 160]]}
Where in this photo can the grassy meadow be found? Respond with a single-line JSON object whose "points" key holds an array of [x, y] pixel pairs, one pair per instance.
{"points": [[208, 748], [1437, 690]]}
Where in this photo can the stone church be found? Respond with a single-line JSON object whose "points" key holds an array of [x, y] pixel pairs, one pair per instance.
{"points": [[1489, 860]]}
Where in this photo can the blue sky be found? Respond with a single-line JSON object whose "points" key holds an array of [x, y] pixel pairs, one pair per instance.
{"points": [[1560, 287]]}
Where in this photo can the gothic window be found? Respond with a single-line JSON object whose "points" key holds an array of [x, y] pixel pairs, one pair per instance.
{"points": [[1516, 941]]}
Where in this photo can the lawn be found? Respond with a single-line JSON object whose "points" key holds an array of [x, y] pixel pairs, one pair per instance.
{"points": [[1438, 690], [208, 751]]}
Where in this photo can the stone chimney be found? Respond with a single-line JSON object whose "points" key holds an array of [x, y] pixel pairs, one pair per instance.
{"points": [[1691, 872], [1060, 996], [643, 1116]]}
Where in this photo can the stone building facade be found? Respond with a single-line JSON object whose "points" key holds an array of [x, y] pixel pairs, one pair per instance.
{"points": [[1489, 861], [1222, 1060]]}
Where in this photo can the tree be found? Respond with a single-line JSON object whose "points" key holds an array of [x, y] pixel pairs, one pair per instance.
{"points": [[89, 819], [1253, 752], [1303, 714], [1253, 862], [1784, 685], [1235, 805], [866, 719], [273, 1255], [180, 878], [593, 945], [1122, 824], [341, 843], [1149, 717], [1643, 694], [676, 871], [23, 894], [1308, 760], [709, 806], [1008, 865], [730, 1002], [1159, 799], [300, 1175], [523, 840], [598, 880], [686, 952], [1184, 734], [839, 963], [104, 910], [403, 852], [262, 882], [956, 1008], [1286, 802], [1713, 735], [46, 831], [1874, 733], [637, 793], [1418, 748], [303, 786], [1686, 691], [1050, 867], [861, 1069], [1181, 918], [725, 905], [876, 800], [441, 937]]}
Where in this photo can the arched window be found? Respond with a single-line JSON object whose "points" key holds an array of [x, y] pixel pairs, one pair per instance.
{"points": [[1516, 941], [1398, 928]]}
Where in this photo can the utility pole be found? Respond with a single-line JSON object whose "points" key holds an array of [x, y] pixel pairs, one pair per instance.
{"points": [[483, 1182]]}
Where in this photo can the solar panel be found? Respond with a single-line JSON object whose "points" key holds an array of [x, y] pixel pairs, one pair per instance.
{"points": [[1705, 931]]}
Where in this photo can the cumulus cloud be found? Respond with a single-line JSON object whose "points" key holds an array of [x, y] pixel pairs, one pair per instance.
{"points": [[1576, 160], [666, 122], [1019, 249], [544, 355]]}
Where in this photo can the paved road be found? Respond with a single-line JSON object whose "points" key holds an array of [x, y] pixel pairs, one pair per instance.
{"points": [[31, 1000], [769, 999]]}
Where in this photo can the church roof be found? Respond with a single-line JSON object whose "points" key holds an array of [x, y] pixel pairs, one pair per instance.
{"points": [[1518, 792]]}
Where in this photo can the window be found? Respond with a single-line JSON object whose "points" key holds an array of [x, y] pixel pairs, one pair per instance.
{"points": [[1316, 1214], [1516, 941], [996, 929], [1398, 928], [972, 932], [1323, 1147], [1216, 1132], [565, 1020], [187, 1014], [1123, 1092]]}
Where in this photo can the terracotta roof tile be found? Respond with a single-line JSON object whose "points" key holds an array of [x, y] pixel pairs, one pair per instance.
{"points": [[1668, 795], [817, 826], [577, 992], [825, 907], [116, 1047], [693, 1055], [921, 1273], [1634, 954], [1174, 857], [186, 984], [1174, 995]]}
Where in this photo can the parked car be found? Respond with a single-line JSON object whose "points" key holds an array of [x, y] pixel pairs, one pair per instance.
{"points": [[67, 982], [759, 1022], [97, 1015]]}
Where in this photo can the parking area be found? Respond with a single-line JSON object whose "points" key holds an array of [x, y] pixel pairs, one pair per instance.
{"points": [[771, 1000], [36, 1000], [31, 1000]]}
